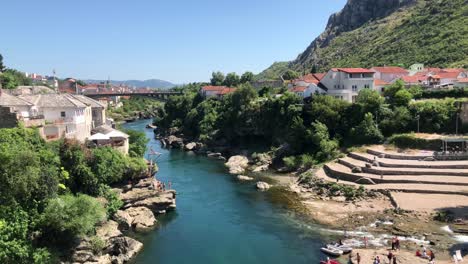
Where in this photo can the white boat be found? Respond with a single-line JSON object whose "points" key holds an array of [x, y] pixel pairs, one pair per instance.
{"points": [[332, 251], [346, 249]]}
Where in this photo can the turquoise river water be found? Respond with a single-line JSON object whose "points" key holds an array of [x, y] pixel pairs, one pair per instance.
{"points": [[220, 220]]}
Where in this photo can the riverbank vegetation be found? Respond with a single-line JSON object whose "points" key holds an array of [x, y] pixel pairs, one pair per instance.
{"points": [[135, 107], [314, 129], [53, 193]]}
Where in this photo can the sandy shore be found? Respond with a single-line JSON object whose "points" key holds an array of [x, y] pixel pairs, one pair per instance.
{"points": [[404, 257]]}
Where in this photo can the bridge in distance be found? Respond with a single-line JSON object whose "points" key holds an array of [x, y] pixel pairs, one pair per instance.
{"points": [[156, 94]]}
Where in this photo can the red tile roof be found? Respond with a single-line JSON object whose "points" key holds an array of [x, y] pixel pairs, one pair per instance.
{"points": [[353, 70], [298, 89], [391, 69], [379, 82], [227, 90], [414, 78], [213, 88], [462, 80], [319, 76], [449, 75]]}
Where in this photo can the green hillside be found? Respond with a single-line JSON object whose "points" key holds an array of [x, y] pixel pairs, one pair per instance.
{"points": [[432, 32]]}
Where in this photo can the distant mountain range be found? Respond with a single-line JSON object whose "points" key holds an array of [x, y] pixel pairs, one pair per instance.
{"points": [[152, 83]]}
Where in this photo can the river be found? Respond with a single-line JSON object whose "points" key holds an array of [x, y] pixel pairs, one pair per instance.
{"points": [[220, 220]]}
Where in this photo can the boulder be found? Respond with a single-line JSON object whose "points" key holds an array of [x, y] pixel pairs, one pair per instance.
{"points": [[260, 168], [137, 218], [262, 186], [108, 230], [356, 170], [213, 154], [244, 178], [190, 146], [158, 204], [122, 249], [237, 164], [368, 165], [175, 142]]}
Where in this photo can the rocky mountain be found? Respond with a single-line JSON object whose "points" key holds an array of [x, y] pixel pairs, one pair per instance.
{"points": [[389, 32], [152, 83]]}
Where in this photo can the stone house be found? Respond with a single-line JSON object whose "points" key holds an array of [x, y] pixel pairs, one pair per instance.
{"points": [[345, 83]]}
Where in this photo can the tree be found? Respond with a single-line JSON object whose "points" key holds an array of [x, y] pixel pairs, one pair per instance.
{"points": [[290, 75], [402, 98], [70, 216], [247, 77], [367, 131], [108, 165], [326, 149], [232, 79], [314, 69], [137, 141], [370, 100], [10, 79], [2, 67], [217, 78]]}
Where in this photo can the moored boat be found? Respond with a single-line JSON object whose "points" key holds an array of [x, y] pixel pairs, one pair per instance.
{"points": [[346, 249], [332, 261], [332, 251]]}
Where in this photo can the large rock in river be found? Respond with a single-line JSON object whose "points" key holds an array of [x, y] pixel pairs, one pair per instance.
{"points": [[122, 249], [191, 146], [175, 142], [262, 186], [237, 164], [138, 218]]}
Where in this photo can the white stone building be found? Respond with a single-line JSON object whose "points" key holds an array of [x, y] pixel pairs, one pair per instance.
{"points": [[345, 83]]}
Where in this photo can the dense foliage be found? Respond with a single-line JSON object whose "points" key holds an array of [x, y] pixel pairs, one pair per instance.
{"points": [[135, 107], [10, 79], [48, 192], [314, 129]]}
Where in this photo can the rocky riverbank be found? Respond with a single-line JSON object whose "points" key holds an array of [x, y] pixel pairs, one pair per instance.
{"points": [[141, 205]]}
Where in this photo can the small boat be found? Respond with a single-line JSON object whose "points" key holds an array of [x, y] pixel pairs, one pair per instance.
{"points": [[332, 261], [332, 251], [346, 249]]}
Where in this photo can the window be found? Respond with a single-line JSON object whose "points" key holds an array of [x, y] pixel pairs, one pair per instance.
{"points": [[62, 114], [354, 87], [366, 86], [383, 89]]}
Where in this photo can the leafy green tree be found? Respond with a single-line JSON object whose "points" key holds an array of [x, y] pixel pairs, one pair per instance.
{"points": [[70, 216], [326, 149], [327, 110], [290, 75], [402, 98], [2, 66], [109, 165], [10, 79], [232, 80], [247, 77], [370, 100], [217, 78], [137, 141], [367, 131]]}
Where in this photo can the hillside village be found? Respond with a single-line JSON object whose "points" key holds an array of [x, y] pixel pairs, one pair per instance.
{"points": [[345, 83]]}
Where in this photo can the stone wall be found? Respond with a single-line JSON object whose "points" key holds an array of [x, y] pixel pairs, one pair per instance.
{"points": [[7, 118]]}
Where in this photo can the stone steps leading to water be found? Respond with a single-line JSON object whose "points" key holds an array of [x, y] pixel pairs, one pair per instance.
{"points": [[394, 163], [398, 156], [336, 170], [352, 162]]}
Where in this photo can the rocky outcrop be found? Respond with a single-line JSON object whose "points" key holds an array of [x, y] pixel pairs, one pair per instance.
{"points": [[122, 249], [190, 146], [355, 14], [262, 186], [136, 218], [175, 142], [237, 164], [244, 178], [116, 248]]}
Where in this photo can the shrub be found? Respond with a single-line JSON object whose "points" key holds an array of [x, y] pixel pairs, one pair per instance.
{"points": [[113, 201], [72, 216], [413, 142]]}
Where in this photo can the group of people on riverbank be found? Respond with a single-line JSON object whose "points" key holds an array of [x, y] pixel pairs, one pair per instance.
{"points": [[161, 186]]}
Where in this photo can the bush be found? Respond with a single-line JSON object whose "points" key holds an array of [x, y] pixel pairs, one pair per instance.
{"points": [[413, 142], [113, 201], [69, 216]]}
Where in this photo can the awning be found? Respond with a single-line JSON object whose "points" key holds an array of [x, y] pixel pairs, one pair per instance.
{"points": [[99, 136]]}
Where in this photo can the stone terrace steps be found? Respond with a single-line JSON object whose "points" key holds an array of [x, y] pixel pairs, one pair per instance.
{"points": [[344, 173], [398, 156], [331, 170], [351, 163], [393, 163]]}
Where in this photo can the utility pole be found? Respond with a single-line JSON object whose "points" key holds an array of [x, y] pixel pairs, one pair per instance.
{"points": [[417, 118]]}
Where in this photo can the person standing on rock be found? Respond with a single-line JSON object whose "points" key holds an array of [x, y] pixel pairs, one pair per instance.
{"points": [[390, 256], [358, 258], [169, 184]]}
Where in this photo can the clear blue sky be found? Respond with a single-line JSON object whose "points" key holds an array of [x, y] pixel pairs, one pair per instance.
{"points": [[174, 40]]}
